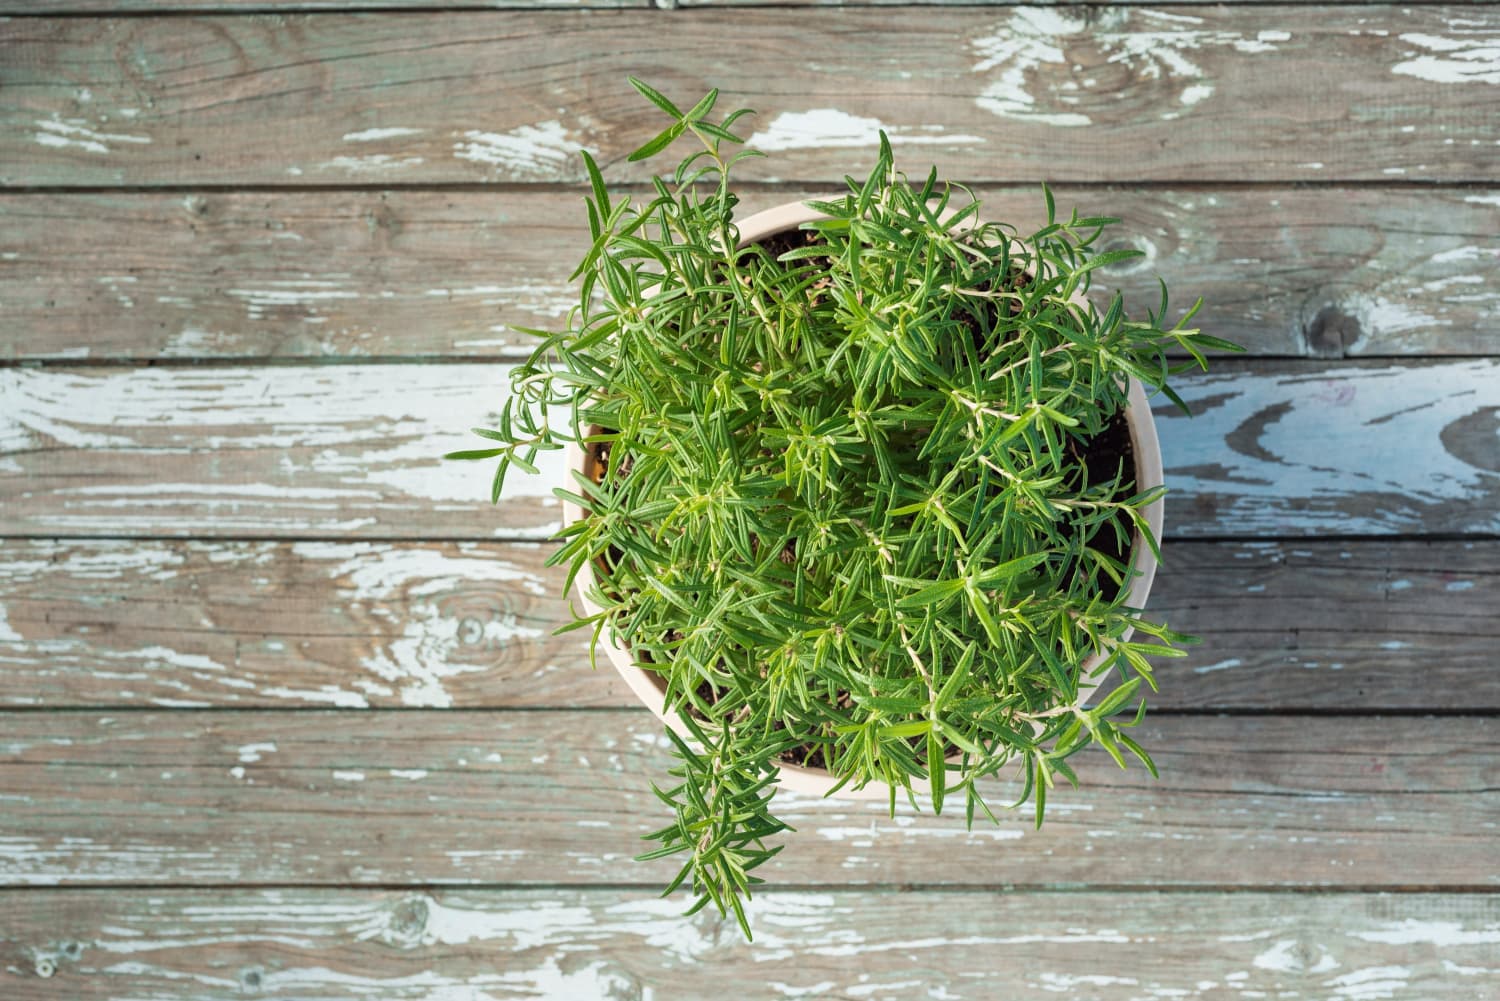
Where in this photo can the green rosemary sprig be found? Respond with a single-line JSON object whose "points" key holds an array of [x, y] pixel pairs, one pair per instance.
{"points": [[846, 514]]}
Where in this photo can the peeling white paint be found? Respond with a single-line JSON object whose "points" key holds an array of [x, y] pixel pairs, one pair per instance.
{"points": [[410, 774], [545, 924], [1222, 665], [1372, 983], [290, 292], [1153, 44], [77, 133], [7, 634], [830, 128], [1284, 956], [1452, 59], [1195, 93], [1315, 438], [327, 694], [541, 150], [1026, 42], [434, 637], [348, 776], [370, 163], [865, 837], [1380, 315], [192, 342], [251, 753], [1465, 254], [375, 135], [113, 283], [1069, 983], [1443, 934], [352, 441]]}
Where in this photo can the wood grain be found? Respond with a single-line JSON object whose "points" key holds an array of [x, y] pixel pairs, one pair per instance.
{"points": [[1091, 94], [39, 7], [1275, 448], [1320, 272], [309, 451], [624, 945], [1316, 626], [236, 275], [289, 625], [563, 797], [1291, 447]]}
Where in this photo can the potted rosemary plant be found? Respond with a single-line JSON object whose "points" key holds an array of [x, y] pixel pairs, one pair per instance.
{"points": [[865, 495]]}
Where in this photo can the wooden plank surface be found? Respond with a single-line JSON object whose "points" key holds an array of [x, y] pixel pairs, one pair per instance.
{"points": [[289, 625], [563, 797], [40, 7], [1275, 448], [311, 451], [393, 945], [1291, 627], [1353, 271], [285, 715], [105, 7], [1112, 94]]}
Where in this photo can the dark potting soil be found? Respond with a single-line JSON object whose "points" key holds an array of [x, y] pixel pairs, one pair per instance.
{"points": [[1102, 456], [789, 239]]}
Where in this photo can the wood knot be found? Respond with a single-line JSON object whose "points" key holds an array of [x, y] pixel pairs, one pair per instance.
{"points": [[383, 223], [409, 918], [1331, 333]]}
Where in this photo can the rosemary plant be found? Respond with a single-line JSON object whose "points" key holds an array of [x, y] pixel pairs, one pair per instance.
{"points": [[842, 509]]}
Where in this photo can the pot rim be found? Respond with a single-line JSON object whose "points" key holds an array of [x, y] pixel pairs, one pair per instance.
{"points": [[651, 690]]}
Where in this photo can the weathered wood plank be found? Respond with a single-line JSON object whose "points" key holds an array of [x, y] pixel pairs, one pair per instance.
{"points": [[1285, 271], [444, 797], [41, 7], [353, 450], [238, 275], [1332, 625], [1096, 94], [1369, 625], [345, 450], [1278, 450], [305, 624], [574, 944], [48, 7]]}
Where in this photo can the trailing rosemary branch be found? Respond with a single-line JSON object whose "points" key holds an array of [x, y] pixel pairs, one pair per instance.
{"points": [[844, 509]]}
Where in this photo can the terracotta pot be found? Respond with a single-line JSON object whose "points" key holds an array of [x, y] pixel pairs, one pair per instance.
{"points": [[650, 688]]}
